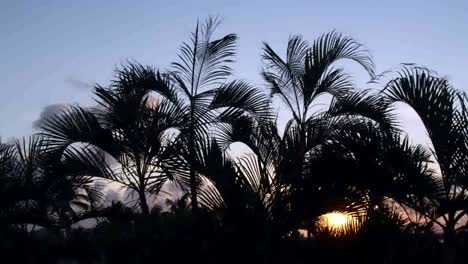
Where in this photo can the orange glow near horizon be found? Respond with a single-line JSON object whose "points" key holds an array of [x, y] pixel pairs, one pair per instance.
{"points": [[337, 222], [336, 219]]}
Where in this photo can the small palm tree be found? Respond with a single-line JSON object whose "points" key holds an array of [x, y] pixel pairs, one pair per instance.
{"points": [[443, 111], [370, 166], [129, 130], [307, 72], [46, 187]]}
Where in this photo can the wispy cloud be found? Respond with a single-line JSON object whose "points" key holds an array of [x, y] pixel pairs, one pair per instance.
{"points": [[79, 84], [48, 111]]}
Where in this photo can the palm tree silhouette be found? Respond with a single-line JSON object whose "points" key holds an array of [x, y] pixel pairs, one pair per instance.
{"points": [[46, 187], [206, 100], [130, 130], [443, 111], [307, 72], [151, 128], [282, 165]]}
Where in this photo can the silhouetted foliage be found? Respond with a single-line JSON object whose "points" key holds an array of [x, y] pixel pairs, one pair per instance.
{"points": [[218, 180]]}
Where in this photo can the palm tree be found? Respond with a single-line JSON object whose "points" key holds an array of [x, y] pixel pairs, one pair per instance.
{"points": [[130, 130], [241, 194], [355, 160], [281, 169], [133, 131], [46, 187], [206, 100], [307, 72], [443, 111], [371, 166]]}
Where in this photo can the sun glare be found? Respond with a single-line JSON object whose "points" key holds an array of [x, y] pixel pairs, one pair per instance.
{"points": [[338, 223], [336, 219]]}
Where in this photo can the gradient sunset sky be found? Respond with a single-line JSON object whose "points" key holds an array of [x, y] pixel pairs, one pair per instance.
{"points": [[53, 51]]}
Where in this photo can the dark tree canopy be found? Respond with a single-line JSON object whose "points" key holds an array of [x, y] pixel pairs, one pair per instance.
{"points": [[217, 180]]}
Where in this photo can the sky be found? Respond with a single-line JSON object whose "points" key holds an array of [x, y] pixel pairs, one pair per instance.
{"points": [[52, 52]]}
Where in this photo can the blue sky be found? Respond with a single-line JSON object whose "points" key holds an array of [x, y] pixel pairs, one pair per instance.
{"points": [[52, 51]]}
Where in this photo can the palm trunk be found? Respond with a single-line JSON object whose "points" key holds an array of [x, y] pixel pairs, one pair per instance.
{"points": [[193, 175], [143, 203], [450, 242], [195, 243], [193, 190], [68, 233], [142, 188], [449, 252]]}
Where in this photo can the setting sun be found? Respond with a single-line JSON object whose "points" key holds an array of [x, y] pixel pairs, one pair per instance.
{"points": [[338, 223], [336, 219]]}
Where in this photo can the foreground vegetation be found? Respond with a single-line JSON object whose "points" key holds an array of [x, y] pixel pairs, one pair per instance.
{"points": [[242, 188]]}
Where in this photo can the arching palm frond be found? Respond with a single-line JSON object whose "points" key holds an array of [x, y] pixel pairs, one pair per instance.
{"points": [[367, 105], [75, 124], [211, 199], [240, 98], [441, 109], [308, 70], [242, 188], [333, 46], [214, 166], [431, 97], [134, 81], [374, 164], [334, 81]]}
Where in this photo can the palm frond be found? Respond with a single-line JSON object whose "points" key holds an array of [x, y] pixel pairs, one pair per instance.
{"points": [[434, 100], [367, 105], [333, 46], [203, 61], [238, 98], [75, 124], [308, 70], [284, 76]]}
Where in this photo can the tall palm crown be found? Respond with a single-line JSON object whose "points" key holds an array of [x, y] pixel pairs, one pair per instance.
{"points": [[309, 70], [443, 111], [205, 99]]}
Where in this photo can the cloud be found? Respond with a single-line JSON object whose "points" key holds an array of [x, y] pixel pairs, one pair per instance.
{"points": [[48, 111], [79, 84]]}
